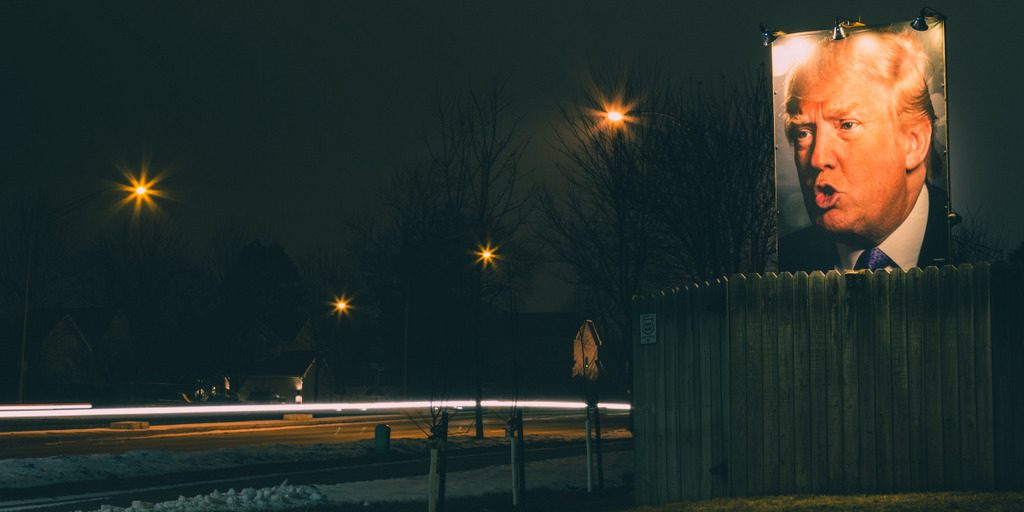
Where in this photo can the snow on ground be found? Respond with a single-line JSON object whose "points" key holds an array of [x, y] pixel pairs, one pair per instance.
{"points": [[565, 473]]}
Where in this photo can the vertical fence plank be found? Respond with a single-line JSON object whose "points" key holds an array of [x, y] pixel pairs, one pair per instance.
{"points": [[770, 376], [835, 368], [803, 412], [950, 379], [655, 392], [882, 302], [1006, 375], [785, 300], [933, 383], [1015, 303], [667, 318], [917, 430], [865, 319], [816, 345], [983, 374], [655, 389], [900, 381], [738, 458], [672, 324], [706, 372], [851, 385], [716, 329], [690, 365], [965, 359], [755, 379], [1003, 436], [643, 430]]}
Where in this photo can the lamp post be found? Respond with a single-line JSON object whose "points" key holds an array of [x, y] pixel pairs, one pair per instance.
{"points": [[486, 255], [616, 117], [341, 308], [140, 191]]}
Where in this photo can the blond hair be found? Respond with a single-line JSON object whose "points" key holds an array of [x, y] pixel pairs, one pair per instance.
{"points": [[895, 59]]}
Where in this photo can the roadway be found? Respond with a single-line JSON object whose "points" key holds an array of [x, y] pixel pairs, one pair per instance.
{"points": [[261, 432]]}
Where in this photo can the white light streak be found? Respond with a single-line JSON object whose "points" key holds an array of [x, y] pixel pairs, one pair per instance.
{"points": [[87, 411]]}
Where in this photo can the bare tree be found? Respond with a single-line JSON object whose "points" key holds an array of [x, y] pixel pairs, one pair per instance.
{"points": [[143, 268], [972, 242], [600, 224], [677, 190], [715, 190], [420, 250]]}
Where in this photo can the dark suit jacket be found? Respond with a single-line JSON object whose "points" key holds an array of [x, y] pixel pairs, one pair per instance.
{"points": [[812, 248]]}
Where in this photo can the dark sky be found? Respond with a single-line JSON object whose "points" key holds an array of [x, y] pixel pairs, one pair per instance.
{"points": [[283, 116]]}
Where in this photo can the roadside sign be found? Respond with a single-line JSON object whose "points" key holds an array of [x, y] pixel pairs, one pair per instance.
{"points": [[648, 329]]}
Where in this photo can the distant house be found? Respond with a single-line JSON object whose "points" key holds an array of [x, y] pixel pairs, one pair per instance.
{"points": [[286, 364], [84, 355], [295, 376]]}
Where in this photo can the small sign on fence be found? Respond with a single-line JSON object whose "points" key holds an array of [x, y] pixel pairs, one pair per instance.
{"points": [[648, 329]]}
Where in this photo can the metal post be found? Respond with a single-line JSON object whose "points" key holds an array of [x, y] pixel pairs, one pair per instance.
{"points": [[522, 453], [441, 464], [590, 460], [24, 321], [597, 446], [515, 470]]}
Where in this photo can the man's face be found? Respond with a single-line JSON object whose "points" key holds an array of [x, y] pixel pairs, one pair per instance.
{"points": [[851, 155]]}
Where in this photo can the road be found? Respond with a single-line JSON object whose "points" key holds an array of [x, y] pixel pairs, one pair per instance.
{"points": [[332, 429], [204, 436]]}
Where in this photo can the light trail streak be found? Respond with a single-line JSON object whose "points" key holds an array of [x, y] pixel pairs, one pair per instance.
{"points": [[87, 411]]}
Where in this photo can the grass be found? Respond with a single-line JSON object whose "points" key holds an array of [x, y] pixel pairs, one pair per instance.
{"points": [[622, 500], [910, 502]]}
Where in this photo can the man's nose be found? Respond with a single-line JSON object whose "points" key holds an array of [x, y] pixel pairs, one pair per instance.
{"points": [[824, 154]]}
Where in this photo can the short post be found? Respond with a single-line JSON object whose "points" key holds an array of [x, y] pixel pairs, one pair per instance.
{"points": [[597, 447], [515, 469], [442, 462], [590, 458], [515, 427], [522, 455], [439, 434], [382, 439]]}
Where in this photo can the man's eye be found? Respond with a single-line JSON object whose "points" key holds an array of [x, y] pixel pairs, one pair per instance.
{"points": [[847, 125]]}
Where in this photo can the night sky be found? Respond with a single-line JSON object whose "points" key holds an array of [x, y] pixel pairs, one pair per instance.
{"points": [[283, 117]]}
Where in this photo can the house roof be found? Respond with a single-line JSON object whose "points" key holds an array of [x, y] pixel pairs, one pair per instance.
{"points": [[290, 363], [90, 322]]}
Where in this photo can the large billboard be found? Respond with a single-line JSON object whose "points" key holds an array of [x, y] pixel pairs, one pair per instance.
{"points": [[860, 135]]}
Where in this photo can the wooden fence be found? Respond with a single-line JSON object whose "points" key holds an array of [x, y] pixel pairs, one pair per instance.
{"points": [[831, 383]]}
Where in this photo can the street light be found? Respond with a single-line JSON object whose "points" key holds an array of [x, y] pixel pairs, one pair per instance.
{"points": [[140, 191], [486, 256], [341, 308]]}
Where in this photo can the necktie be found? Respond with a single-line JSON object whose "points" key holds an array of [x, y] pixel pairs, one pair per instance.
{"points": [[873, 259]]}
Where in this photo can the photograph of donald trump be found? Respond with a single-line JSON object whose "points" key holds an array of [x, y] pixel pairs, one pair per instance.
{"points": [[861, 123]]}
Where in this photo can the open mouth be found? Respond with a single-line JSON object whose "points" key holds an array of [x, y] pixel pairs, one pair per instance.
{"points": [[825, 196]]}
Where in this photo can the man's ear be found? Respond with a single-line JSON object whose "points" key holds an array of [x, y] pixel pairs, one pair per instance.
{"points": [[918, 137]]}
